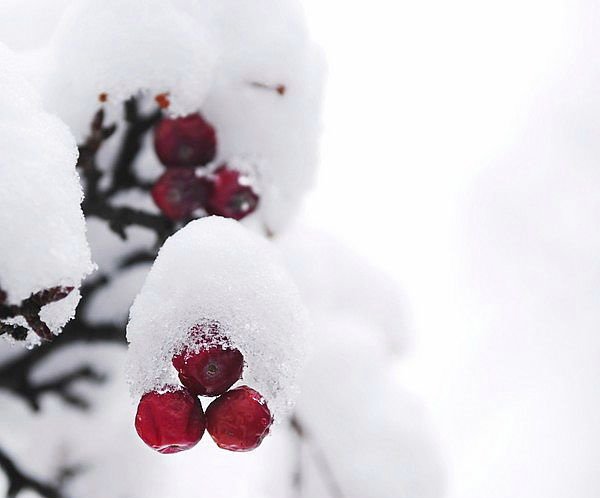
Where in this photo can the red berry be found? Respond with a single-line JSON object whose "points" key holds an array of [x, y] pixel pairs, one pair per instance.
{"points": [[239, 419], [231, 197], [170, 422], [211, 371], [179, 192], [185, 141]]}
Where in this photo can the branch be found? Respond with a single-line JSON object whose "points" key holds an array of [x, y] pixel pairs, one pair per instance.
{"points": [[137, 258], [87, 155], [96, 203], [30, 309], [137, 127], [321, 461], [119, 218], [16, 374], [19, 481]]}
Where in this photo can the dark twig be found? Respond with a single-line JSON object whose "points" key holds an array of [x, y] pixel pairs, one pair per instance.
{"points": [[16, 374], [119, 218], [87, 155], [136, 258], [96, 203], [60, 386], [19, 481], [17, 332], [137, 127], [280, 89], [321, 461], [30, 309]]}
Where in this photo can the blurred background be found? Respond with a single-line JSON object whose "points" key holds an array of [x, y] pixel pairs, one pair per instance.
{"points": [[460, 157], [460, 154]]}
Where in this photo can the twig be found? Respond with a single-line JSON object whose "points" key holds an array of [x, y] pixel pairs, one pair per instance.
{"points": [[96, 202], [280, 89], [137, 127], [87, 155], [136, 258], [30, 309], [321, 461], [119, 218], [16, 374], [19, 481]]}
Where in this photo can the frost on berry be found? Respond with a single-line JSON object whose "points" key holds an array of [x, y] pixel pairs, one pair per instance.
{"points": [[179, 192], [185, 141], [239, 419], [231, 196], [206, 368], [170, 421], [216, 271]]}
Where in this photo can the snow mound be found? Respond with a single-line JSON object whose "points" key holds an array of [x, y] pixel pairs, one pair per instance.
{"points": [[43, 243], [336, 281], [351, 400], [120, 48], [250, 68], [216, 271]]}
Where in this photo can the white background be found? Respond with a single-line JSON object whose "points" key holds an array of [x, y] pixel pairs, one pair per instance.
{"points": [[460, 155]]}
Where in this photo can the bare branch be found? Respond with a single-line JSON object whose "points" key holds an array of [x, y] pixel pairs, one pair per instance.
{"points": [[19, 481], [319, 456]]}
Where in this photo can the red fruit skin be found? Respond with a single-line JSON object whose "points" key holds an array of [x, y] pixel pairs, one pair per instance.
{"points": [[186, 141], [179, 192], [239, 419], [230, 198], [170, 422], [211, 371]]}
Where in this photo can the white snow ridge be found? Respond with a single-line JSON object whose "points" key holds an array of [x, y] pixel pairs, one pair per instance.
{"points": [[43, 242], [216, 270]]}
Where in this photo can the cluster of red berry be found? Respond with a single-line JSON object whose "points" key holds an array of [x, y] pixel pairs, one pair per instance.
{"points": [[173, 421], [182, 145]]}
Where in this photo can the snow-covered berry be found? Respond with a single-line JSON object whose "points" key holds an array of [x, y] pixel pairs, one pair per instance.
{"points": [[185, 141], [239, 419], [210, 371], [171, 421], [231, 196], [179, 192]]}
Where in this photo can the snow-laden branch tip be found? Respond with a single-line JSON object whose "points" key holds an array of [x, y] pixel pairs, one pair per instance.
{"points": [[249, 67], [43, 247], [215, 271]]}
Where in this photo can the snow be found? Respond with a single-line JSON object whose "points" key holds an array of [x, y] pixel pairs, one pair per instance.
{"points": [[43, 243], [348, 387], [336, 281], [103, 439], [111, 303], [215, 270], [121, 48], [215, 56]]}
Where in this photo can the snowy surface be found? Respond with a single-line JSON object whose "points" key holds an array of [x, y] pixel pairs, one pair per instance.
{"points": [[483, 172], [377, 437], [336, 281], [105, 442], [216, 271], [250, 68], [43, 242]]}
